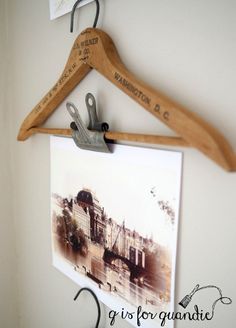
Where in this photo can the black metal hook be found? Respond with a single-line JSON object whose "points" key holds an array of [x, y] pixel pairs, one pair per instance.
{"points": [[96, 300], [73, 13]]}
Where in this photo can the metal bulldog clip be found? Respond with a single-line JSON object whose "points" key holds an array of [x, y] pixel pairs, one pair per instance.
{"points": [[93, 137]]}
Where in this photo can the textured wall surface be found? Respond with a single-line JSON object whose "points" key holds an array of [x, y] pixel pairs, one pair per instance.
{"points": [[184, 48], [8, 276]]}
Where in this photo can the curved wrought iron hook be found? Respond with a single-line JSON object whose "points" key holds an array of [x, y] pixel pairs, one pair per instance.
{"points": [[73, 13], [96, 300]]}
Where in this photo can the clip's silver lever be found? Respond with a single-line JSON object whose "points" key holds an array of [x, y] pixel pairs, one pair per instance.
{"points": [[84, 138], [94, 123]]}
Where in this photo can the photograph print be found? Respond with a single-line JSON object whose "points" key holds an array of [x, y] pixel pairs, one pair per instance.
{"points": [[114, 219]]}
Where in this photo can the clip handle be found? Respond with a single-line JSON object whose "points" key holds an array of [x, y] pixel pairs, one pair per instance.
{"points": [[84, 138], [94, 123], [78, 124]]}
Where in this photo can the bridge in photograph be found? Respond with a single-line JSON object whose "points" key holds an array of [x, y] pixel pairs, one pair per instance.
{"points": [[136, 271]]}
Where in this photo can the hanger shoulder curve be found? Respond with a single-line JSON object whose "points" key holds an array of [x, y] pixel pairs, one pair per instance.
{"points": [[193, 129], [93, 48], [75, 70]]}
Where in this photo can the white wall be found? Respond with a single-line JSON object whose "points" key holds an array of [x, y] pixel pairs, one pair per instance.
{"points": [[8, 286], [184, 48]]}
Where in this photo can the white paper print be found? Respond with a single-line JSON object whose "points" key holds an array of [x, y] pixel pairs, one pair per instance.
{"points": [[114, 223], [61, 7]]}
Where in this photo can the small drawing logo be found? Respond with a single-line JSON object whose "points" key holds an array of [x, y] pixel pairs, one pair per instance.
{"points": [[223, 299], [187, 298]]}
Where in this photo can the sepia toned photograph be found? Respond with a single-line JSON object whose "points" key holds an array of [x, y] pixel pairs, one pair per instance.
{"points": [[114, 221]]}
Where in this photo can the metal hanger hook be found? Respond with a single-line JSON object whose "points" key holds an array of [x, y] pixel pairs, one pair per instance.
{"points": [[73, 13], [96, 300]]}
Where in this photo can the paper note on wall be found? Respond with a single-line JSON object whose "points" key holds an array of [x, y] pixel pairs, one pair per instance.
{"points": [[61, 7]]}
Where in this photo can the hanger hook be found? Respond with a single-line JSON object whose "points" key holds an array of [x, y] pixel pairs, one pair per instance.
{"points": [[73, 13], [96, 300]]}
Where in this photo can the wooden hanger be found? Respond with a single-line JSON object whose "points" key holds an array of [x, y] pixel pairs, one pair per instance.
{"points": [[93, 48]]}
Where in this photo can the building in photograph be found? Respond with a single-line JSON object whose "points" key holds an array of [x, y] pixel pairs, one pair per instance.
{"points": [[117, 238], [125, 243], [90, 204], [82, 218]]}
